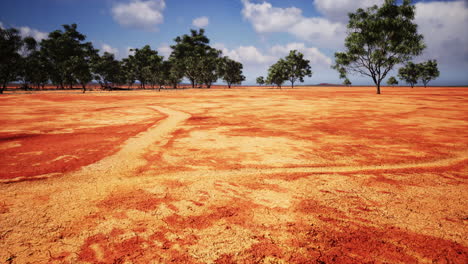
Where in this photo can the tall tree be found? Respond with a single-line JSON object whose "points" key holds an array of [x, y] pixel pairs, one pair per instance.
{"points": [[297, 67], [173, 72], [10, 58], [410, 73], [378, 39], [108, 71], [146, 63], [189, 50], [209, 67], [231, 71], [428, 71], [392, 81], [68, 56], [277, 73]]}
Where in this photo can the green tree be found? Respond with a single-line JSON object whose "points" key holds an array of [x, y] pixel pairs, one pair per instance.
{"points": [[347, 82], [209, 68], [378, 39], [129, 74], [260, 80], [145, 63], [297, 67], [10, 58], [68, 56], [428, 71], [231, 71], [173, 72], [392, 81], [277, 73], [108, 71], [410, 73], [188, 51]]}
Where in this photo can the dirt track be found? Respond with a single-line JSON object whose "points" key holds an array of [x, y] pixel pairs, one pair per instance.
{"points": [[319, 175]]}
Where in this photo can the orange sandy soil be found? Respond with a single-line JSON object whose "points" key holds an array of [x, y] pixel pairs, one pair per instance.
{"points": [[310, 175]]}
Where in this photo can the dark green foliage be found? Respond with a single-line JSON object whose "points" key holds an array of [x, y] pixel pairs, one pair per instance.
{"points": [[10, 59], [230, 71], [260, 80], [296, 67], [347, 82], [410, 73], [277, 73], [108, 71], [68, 57], [378, 39], [392, 81], [428, 71], [146, 65]]}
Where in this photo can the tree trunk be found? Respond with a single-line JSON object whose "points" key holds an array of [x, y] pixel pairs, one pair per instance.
{"points": [[3, 88], [292, 85], [378, 87], [84, 87], [229, 85], [193, 83]]}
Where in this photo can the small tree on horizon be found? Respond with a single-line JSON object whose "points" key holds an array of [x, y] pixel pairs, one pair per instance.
{"points": [[260, 80], [428, 71], [347, 82], [379, 38], [277, 73], [392, 81], [410, 73], [296, 67], [231, 71]]}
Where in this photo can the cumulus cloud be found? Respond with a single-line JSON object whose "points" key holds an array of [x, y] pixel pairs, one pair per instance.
{"points": [[139, 14], [108, 48], [201, 22], [165, 50], [266, 19], [443, 25], [337, 10], [312, 54], [245, 54], [34, 33]]}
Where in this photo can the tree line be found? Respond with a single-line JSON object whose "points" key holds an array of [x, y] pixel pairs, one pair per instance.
{"points": [[65, 59], [379, 38]]}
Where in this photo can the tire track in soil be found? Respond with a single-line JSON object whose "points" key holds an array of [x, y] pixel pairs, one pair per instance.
{"points": [[128, 158], [73, 195]]}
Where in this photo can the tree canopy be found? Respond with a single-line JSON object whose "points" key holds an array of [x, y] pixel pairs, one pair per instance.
{"points": [[231, 71], [379, 38], [428, 71], [392, 81], [410, 73], [296, 67]]}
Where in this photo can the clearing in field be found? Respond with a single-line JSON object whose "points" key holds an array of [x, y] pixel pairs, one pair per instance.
{"points": [[309, 175]]}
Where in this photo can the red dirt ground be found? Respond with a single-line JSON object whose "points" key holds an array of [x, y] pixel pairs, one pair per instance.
{"points": [[253, 175]]}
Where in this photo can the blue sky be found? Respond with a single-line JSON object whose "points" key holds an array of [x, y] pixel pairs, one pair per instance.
{"points": [[257, 33]]}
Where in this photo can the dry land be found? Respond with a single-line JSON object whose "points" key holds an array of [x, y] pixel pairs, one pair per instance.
{"points": [[253, 175]]}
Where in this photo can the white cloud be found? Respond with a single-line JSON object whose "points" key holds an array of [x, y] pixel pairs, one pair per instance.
{"points": [[318, 30], [109, 49], [443, 25], [34, 33], [312, 54], [165, 50], [130, 51], [245, 54], [139, 14], [337, 10], [201, 22], [1, 25]]}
